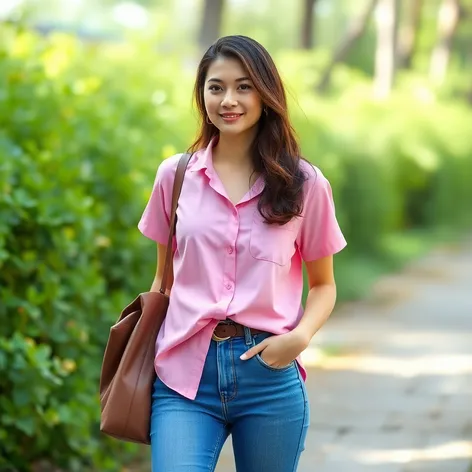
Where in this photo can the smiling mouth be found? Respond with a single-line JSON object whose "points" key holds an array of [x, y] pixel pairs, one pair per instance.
{"points": [[231, 117]]}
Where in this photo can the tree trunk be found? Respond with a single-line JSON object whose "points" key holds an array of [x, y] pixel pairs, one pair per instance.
{"points": [[356, 30], [409, 34], [448, 20], [385, 56], [308, 21], [210, 28]]}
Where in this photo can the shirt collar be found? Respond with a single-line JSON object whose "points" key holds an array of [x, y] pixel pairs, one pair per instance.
{"points": [[204, 157], [204, 160]]}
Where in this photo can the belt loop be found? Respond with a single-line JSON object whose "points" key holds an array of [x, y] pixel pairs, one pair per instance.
{"points": [[247, 336]]}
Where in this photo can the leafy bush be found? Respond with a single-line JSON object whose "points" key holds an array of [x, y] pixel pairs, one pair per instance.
{"points": [[82, 130], [72, 167]]}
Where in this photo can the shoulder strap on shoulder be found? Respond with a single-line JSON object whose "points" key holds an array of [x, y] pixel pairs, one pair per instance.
{"points": [[178, 182]]}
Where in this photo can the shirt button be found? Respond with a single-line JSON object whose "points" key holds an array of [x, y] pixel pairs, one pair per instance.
{"points": [[229, 286], [230, 250]]}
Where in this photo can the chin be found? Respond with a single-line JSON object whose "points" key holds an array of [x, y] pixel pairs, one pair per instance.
{"points": [[234, 132], [239, 128]]}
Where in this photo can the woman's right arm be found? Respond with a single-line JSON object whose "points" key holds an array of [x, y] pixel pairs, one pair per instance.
{"points": [[161, 257]]}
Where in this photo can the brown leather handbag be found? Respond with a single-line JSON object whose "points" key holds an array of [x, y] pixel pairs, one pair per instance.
{"points": [[128, 372]]}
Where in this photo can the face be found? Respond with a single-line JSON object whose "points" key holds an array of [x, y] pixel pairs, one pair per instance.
{"points": [[231, 101]]}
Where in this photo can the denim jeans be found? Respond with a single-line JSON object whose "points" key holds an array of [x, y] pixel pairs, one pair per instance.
{"points": [[265, 410]]}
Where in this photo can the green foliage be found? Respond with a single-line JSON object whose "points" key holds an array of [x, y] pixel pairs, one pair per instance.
{"points": [[82, 131], [395, 165], [73, 180]]}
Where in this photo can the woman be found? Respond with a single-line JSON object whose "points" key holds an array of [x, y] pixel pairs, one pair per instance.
{"points": [[250, 212]]}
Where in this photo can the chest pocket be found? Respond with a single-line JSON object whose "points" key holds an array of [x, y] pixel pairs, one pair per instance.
{"points": [[272, 243]]}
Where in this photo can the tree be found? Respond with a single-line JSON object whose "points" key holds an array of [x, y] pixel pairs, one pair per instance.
{"points": [[210, 28], [385, 56], [308, 22], [356, 30], [448, 20], [408, 36]]}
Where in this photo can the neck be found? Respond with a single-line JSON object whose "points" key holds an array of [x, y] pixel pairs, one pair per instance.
{"points": [[234, 149]]}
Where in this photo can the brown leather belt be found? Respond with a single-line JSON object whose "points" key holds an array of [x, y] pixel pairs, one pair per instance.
{"points": [[226, 330]]}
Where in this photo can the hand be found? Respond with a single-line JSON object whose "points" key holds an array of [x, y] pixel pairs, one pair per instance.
{"points": [[279, 351]]}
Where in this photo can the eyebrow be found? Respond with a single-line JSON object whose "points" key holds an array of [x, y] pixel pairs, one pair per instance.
{"points": [[213, 79]]}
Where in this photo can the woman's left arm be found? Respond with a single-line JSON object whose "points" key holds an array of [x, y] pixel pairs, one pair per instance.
{"points": [[280, 350], [320, 300], [318, 238]]}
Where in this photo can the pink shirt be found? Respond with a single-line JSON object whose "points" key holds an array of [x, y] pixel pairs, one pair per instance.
{"points": [[229, 264]]}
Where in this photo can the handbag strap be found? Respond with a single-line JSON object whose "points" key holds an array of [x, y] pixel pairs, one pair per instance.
{"points": [[178, 182]]}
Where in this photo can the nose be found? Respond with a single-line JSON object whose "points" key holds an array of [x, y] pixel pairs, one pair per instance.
{"points": [[229, 100]]}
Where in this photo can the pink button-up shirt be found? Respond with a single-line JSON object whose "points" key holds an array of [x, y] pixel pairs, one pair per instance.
{"points": [[229, 264]]}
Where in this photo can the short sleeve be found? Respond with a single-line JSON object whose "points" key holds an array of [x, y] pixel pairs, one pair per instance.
{"points": [[155, 220], [319, 234]]}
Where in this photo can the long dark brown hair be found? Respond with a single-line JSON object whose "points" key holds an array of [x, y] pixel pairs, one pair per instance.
{"points": [[275, 150]]}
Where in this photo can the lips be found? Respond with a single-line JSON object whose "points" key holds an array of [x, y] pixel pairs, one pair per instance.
{"points": [[229, 118]]}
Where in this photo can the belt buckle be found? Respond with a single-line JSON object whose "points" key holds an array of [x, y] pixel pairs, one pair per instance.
{"points": [[217, 338]]}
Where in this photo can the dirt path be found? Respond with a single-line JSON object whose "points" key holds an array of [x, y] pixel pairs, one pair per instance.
{"points": [[397, 394]]}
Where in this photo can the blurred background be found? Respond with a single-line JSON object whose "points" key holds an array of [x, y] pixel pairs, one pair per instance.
{"points": [[95, 93]]}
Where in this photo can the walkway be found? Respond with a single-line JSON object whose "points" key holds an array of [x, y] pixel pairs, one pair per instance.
{"points": [[396, 393]]}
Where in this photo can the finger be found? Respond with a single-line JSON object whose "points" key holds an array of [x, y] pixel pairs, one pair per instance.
{"points": [[253, 351]]}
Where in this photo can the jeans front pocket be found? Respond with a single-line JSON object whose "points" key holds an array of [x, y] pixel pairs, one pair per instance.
{"points": [[269, 367], [257, 339]]}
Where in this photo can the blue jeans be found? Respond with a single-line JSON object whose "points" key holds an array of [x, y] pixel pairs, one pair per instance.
{"points": [[264, 409]]}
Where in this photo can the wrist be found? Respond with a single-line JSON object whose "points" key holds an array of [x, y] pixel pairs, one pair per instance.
{"points": [[302, 335]]}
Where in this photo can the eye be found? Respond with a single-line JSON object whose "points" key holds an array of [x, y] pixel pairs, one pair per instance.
{"points": [[245, 87], [214, 88]]}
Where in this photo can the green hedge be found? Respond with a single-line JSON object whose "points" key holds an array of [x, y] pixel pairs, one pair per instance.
{"points": [[82, 130], [71, 187]]}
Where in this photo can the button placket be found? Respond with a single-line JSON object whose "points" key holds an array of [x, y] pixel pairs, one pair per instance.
{"points": [[230, 272], [230, 259]]}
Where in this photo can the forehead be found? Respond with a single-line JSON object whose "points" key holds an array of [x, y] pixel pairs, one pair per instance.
{"points": [[226, 68]]}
